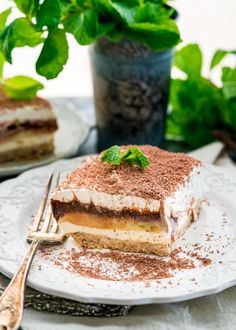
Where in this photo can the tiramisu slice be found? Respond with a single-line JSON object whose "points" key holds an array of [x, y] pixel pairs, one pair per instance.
{"points": [[127, 208], [26, 129]]}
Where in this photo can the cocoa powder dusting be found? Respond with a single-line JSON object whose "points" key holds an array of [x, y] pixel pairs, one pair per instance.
{"points": [[118, 266], [7, 104], [166, 171]]}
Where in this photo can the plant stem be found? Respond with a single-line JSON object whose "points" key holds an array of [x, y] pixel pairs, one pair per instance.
{"points": [[227, 139]]}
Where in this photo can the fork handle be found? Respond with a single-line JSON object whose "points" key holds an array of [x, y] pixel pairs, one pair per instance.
{"points": [[12, 299]]}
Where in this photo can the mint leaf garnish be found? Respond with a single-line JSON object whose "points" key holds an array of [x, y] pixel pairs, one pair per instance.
{"points": [[135, 156], [112, 155], [132, 156], [22, 87]]}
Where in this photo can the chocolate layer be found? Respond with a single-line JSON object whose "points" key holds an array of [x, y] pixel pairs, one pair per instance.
{"points": [[61, 208], [8, 129]]}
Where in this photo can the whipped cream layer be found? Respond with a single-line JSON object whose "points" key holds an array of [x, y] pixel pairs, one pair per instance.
{"points": [[28, 113], [105, 200], [25, 139], [187, 194], [192, 189]]}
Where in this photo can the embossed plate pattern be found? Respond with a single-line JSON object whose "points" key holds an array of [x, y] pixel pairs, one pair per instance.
{"points": [[215, 231]]}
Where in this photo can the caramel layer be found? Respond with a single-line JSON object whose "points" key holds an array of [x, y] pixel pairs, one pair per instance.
{"points": [[103, 222]]}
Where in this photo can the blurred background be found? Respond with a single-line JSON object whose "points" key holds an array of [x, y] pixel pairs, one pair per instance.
{"points": [[211, 23]]}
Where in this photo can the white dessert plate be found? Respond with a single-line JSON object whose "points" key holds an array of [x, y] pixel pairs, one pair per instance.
{"points": [[72, 132], [116, 278]]}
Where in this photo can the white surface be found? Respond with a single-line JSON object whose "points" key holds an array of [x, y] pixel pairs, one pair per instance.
{"points": [[21, 198], [71, 133], [209, 153], [209, 22]]}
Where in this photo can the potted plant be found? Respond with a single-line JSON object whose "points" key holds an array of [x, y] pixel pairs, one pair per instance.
{"points": [[131, 57], [201, 110]]}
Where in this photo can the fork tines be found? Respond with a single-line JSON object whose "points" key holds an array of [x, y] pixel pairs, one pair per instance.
{"points": [[45, 227]]}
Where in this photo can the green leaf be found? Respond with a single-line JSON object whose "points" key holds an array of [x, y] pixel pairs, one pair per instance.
{"points": [[229, 89], [18, 34], [229, 114], [219, 56], [82, 3], [150, 12], [67, 7], [104, 29], [27, 7], [196, 110], [83, 26], [104, 6], [112, 155], [114, 35], [228, 74], [189, 60], [49, 14], [22, 87], [159, 36], [54, 54], [132, 156], [135, 156], [229, 82], [2, 61], [125, 11], [3, 18]]}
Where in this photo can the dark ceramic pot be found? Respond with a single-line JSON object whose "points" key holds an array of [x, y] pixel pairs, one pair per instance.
{"points": [[131, 87]]}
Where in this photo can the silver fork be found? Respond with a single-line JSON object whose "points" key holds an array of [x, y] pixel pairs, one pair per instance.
{"points": [[43, 230]]}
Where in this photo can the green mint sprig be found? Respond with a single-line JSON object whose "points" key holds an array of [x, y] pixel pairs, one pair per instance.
{"points": [[133, 156], [49, 22]]}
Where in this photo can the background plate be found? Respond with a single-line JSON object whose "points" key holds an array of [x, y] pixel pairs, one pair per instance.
{"points": [[215, 231], [72, 132]]}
